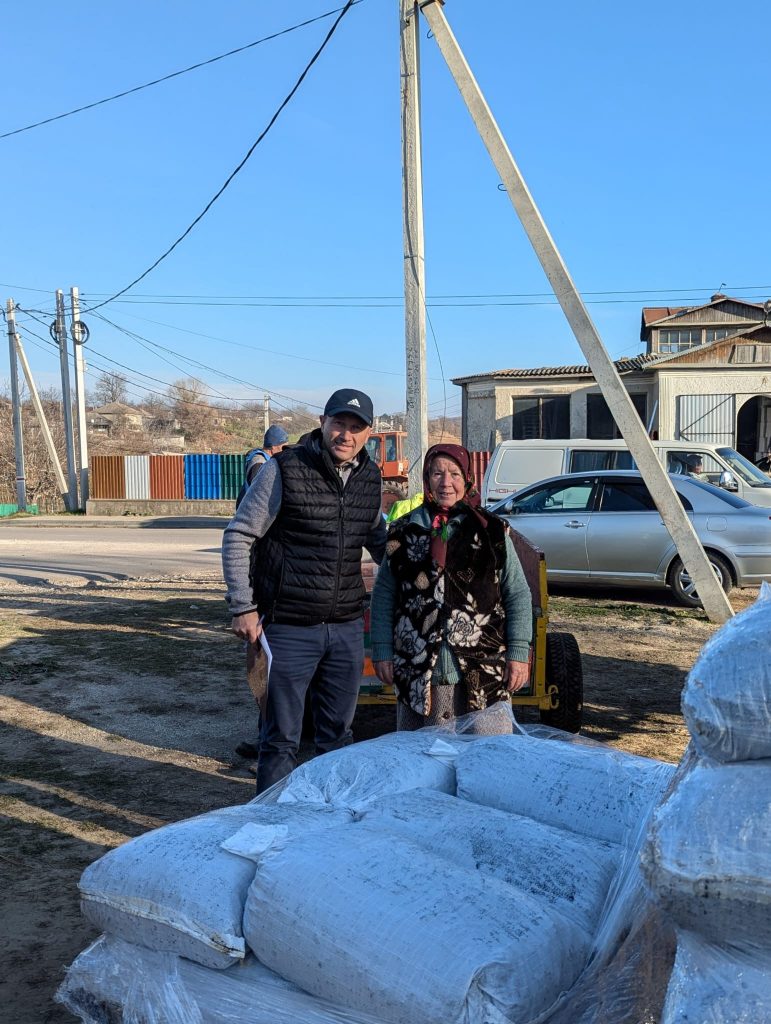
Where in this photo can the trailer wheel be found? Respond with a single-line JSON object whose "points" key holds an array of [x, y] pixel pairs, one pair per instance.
{"points": [[563, 670]]}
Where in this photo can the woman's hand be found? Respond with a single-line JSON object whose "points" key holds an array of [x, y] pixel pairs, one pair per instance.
{"points": [[247, 626], [384, 670], [517, 675]]}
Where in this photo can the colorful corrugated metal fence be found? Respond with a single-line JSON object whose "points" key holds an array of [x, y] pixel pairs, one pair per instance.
{"points": [[167, 477], [137, 473], [232, 470], [107, 476], [202, 476]]}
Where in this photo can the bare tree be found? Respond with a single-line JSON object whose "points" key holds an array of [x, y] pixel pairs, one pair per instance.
{"points": [[189, 400], [110, 387]]}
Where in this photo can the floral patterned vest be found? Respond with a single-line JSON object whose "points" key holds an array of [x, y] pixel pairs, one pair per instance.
{"points": [[461, 606]]}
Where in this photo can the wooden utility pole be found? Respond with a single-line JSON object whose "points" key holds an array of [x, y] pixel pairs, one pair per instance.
{"points": [[41, 418], [78, 340], [672, 512], [265, 414], [414, 259], [18, 436], [61, 337]]}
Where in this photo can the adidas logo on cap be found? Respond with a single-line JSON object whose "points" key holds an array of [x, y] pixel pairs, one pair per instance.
{"points": [[356, 402]]}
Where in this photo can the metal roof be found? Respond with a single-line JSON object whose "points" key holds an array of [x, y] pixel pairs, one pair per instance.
{"points": [[622, 365]]}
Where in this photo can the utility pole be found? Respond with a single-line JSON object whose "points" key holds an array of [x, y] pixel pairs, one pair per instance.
{"points": [[414, 259], [41, 417], [78, 340], [61, 338], [18, 436], [673, 514], [265, 414]]}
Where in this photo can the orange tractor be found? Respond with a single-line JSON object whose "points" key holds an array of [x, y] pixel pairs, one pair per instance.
{"points": [[386, 449]]}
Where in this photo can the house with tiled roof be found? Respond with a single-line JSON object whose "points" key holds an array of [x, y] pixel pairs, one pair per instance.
{"points": [[705, 376]]}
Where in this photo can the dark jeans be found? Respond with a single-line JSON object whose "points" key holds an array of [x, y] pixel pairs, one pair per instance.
{"points": [[335, 653]]}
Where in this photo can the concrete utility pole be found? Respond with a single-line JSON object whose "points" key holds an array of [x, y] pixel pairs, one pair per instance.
{"points": [[61, 337], [41, 418], [18, 436], [414, 259], [265, 414], [78, 340], [675, 519]]}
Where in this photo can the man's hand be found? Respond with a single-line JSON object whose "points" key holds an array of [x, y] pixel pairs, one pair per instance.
{"points": [[517, 675], [247, 626], [384, 670]]}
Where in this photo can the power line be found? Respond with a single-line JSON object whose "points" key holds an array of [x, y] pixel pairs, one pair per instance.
{"points": [[233, 174], [174, 74]]}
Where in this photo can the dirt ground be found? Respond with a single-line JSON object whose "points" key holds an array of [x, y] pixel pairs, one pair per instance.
{"points": [[120, 706]]}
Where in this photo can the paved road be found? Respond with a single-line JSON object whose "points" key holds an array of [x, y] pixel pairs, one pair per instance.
{"points": [[63, 551]]}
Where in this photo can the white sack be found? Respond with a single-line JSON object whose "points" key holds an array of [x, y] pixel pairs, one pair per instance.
{"points": [[354, 775], [371, 921], [174, 889], [569, 873], [707, 857], [592, 791], [714, 985], [115, 981], [727, 696]]}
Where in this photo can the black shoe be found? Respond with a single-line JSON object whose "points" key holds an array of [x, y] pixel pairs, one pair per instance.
{"points": [[247, 750]]}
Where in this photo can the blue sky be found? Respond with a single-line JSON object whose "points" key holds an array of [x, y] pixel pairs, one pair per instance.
{"points": [[642, 132]]}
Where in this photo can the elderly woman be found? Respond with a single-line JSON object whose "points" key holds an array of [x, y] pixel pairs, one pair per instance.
{"points": [[451, 617]]}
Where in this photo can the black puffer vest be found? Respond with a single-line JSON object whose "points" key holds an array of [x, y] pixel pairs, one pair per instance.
{"points": [[307, 568]]}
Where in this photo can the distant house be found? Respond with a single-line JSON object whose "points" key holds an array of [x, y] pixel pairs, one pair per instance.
{"points": [[107, 417], [705, 377]]}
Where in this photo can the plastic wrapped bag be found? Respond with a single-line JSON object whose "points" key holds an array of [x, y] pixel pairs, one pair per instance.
{"points": [[356, 774], [175, 888], [708, 853], [569, 873], [717, 985], [593, 791], [114, 982], [727, 697], [371, 921]]}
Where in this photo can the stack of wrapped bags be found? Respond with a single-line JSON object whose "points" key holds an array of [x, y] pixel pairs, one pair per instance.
{"points": [[707, 858], [434, 877]]}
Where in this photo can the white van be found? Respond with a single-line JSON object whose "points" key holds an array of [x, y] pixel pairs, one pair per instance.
{"points": [[515, 464]]}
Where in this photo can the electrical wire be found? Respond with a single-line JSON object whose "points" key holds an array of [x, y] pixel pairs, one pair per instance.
{"points": [[174, 74], [233, 174]]}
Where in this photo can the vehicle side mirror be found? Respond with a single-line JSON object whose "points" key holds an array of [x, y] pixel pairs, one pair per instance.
{"points": [[728, 481], [511, 508]]}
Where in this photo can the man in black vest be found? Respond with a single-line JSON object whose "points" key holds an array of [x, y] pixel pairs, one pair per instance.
{"points": [[291, 557]]}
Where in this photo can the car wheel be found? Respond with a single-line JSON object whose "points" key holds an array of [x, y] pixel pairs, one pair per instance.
{"points": [[683, 586], [563, 670]]}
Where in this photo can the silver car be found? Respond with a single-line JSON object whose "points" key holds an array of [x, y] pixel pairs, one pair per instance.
{"points": [[604, 528]]}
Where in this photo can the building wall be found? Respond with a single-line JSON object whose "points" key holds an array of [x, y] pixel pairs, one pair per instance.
{"points": [[744, 384]]}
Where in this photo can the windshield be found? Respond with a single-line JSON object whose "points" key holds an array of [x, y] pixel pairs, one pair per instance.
{"points": [[743, 468]]}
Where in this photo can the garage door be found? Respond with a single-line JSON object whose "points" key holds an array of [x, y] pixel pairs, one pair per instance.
{"points": [[708, 419]]}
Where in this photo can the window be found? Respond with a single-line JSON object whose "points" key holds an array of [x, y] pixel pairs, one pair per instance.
{"points": [[583, 461], [626, 496], [573, 496], [375, 449], [694, 463], [678, 339], [390, 448], [600, 424], [545, 417], [716, 333]]}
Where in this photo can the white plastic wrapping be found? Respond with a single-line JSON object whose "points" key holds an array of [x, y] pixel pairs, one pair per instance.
{"points": [[569, 873], [356, 774], [175, 889], [113, 982], [708, 854], [593, 791], [727, 698], [717, 985], [369, 920]]}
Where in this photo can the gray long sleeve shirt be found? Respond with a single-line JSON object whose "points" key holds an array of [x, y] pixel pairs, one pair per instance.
{"points": [[255, 516]]}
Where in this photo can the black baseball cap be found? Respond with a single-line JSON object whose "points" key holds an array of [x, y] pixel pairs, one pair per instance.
{"points": [[354, 402]]}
